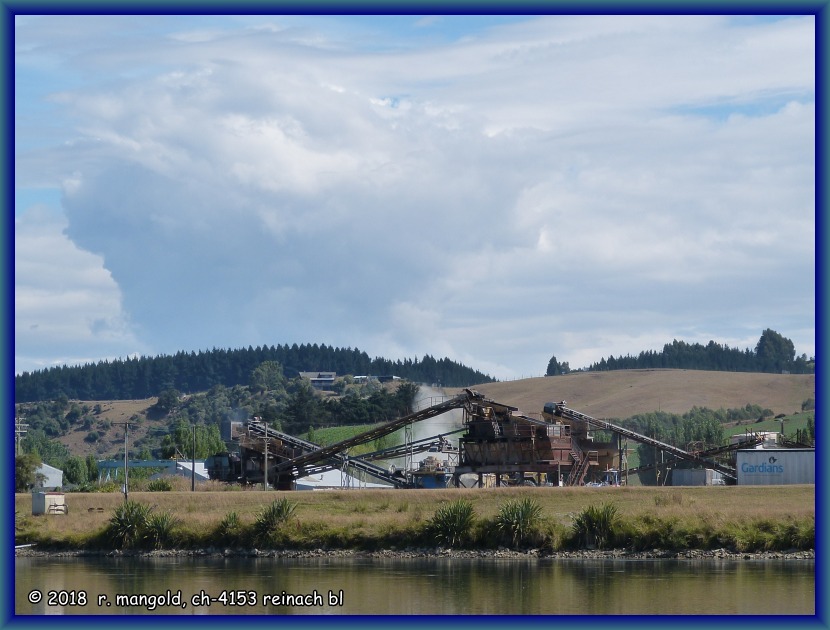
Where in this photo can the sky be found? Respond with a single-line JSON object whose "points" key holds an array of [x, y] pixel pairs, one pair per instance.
{"points": [[497, 190]]}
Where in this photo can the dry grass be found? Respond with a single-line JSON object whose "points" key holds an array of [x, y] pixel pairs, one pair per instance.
{"points": [[111, 442], [624, 393], [376, 513]]}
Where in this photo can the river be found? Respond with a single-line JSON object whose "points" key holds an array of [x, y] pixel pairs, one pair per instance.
{"points": [[421, 586]]}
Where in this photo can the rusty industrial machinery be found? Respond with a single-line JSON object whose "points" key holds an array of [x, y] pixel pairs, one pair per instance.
{"points": [[499, 445], [511, 447], [706, 458], [276, 458]]}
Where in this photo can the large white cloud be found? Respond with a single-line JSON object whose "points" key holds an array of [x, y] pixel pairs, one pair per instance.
{"points": [[64, 299], [577, 185]]}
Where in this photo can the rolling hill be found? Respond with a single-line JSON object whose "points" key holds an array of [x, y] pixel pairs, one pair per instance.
{"points": [[624, 393], [616, 394]]}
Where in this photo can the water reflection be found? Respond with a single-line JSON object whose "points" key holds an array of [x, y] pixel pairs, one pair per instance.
{"points": [[242, 586]]}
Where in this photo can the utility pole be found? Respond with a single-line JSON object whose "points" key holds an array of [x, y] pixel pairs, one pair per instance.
{"points": [[126, 460], [193, 463], [20, 429], [265, 483]]}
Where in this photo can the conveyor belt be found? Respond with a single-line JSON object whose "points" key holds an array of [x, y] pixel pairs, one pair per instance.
{"points": [[571, 414], [298, 464], [336, 460]]}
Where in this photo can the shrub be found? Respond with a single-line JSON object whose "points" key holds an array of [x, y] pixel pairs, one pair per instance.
{"points": [[554, 536], [595, 526], [804, 534], [648, 532], [452, 524], [662, 500], [159, 485], [22, 528], [765, 535], [229, 529], [128, 524], [519, 520], [160, 529], [269, 520]]}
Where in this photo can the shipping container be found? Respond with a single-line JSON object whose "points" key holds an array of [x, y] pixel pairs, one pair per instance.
{"points": [[48, 503], [779, 466]]}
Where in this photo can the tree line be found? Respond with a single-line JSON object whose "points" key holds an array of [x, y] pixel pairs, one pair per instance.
{"points": [[288, 404], [773, 353], [188, 372], [697, 429]]}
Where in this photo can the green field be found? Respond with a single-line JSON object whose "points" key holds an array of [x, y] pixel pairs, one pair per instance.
{"points": [[792, 423], [333, 435]]}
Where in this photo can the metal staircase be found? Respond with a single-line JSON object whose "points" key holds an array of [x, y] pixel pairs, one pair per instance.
{"points": [[582, 461]]}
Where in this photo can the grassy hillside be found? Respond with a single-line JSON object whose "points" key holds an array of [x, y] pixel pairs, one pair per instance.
{"points": [[617, 394], [624, 393], [111, 441]]}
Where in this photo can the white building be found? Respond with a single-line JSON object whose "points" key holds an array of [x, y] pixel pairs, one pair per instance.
{"points": [[48, 476], [334, 479], [776, 466], [320, 380], [184, 469]]}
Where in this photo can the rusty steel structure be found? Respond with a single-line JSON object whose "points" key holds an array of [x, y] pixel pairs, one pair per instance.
{"points": [[517, 448], [562, 447], [290, 458], [559, 410]]}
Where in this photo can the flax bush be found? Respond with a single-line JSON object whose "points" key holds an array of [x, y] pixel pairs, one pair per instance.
{"points": [[229, 529], [159, 485], [271, 518], [160, 530], [519, 520], [596, 526], [452, 524], [128, 524]]}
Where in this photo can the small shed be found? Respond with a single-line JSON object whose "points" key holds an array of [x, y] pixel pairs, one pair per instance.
{"points": [[48, 503]]}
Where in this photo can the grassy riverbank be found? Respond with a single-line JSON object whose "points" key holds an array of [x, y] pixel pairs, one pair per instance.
{"points": [[740, 518]]}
